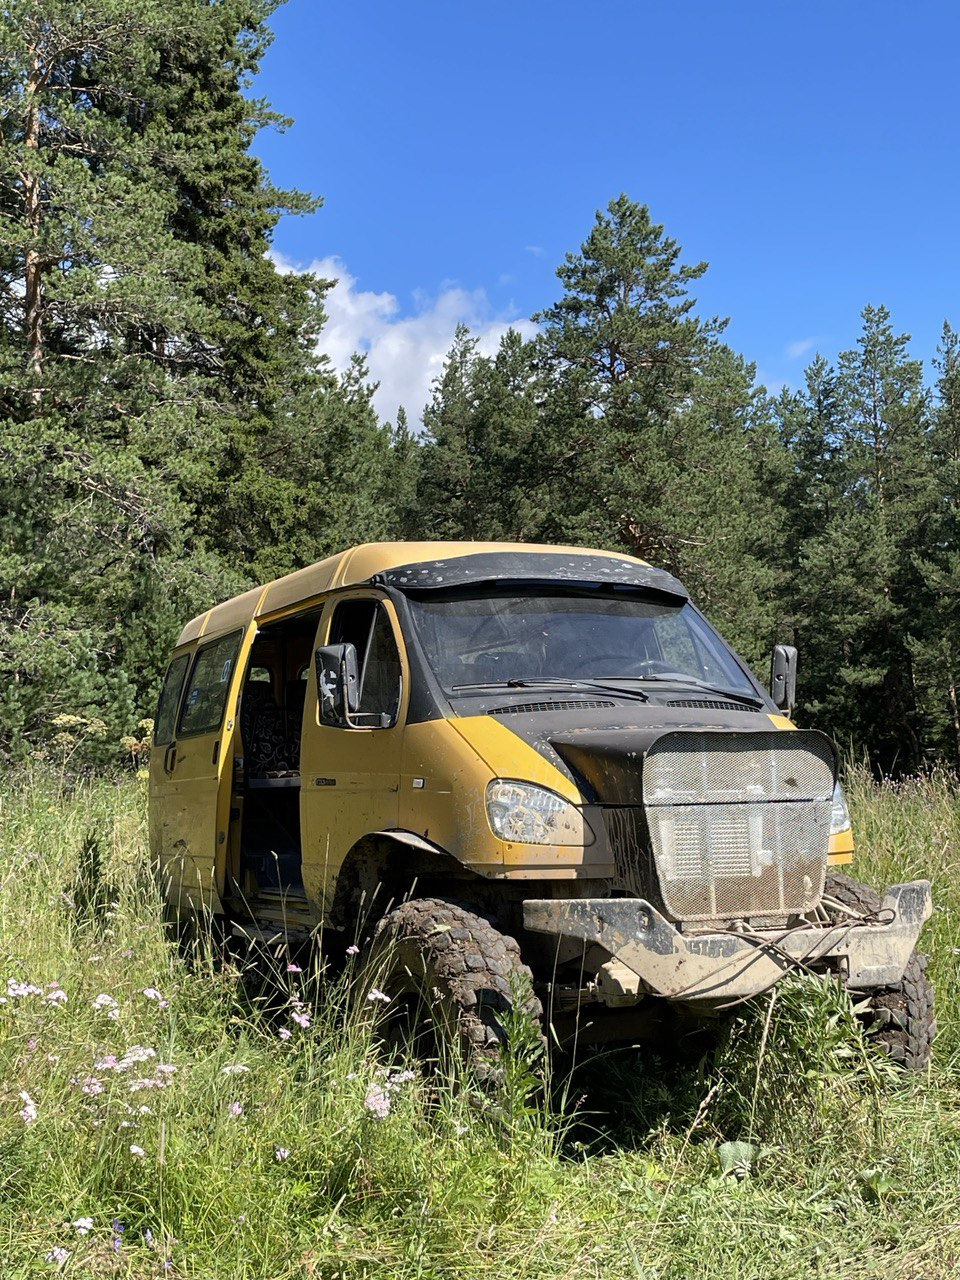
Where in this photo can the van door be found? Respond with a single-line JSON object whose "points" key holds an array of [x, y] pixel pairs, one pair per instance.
{"points": [[197, 774], [162, 799], [351, 776]]}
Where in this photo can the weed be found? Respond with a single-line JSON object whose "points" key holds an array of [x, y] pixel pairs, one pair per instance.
{"points": [[221, 1112]]}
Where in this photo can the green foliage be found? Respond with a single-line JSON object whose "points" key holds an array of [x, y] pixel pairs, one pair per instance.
{"points": [[162, 410], [863, 502], [625, 424], [170, 436], [269, 1156], [826, 517]]}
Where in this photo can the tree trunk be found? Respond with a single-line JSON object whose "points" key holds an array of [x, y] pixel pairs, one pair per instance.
{"points": [[954, 712], [33, 263]]}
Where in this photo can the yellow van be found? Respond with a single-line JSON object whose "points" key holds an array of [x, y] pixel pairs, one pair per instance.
{"points": [[535, 769]]}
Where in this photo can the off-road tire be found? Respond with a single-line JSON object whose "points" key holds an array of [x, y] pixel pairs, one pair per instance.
{"points": [[462, 972], [899, 1018]]}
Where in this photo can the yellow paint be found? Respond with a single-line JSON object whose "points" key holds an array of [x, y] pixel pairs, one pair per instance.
{"points": [[841, 849], [190, 806], [349, 568], [366, 764], [509, 756], [780, 722], [450, 808]]}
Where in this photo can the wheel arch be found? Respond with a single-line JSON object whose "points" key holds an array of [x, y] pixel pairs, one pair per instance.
{"points": [[386, 866]]}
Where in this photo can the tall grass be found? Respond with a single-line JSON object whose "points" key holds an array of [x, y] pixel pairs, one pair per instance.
{"points": [[161, 1117]]}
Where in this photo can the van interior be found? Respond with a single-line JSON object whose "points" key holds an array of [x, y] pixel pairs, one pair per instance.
{"points": [[267, 766]]}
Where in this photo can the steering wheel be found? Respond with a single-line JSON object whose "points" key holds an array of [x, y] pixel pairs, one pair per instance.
{"points": [[630, 666]]}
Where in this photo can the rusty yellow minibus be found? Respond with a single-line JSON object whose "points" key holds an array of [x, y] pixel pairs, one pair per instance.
{"points": [[523, 765]]}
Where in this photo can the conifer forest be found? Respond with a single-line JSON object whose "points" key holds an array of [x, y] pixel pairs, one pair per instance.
{"points": [[169, 434]]}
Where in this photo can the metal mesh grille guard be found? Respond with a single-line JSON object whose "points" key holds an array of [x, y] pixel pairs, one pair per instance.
{"points": [[739, 822]]}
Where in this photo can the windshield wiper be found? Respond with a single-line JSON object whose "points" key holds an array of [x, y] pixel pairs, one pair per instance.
{"points": [[553, 682], [679, 678]]}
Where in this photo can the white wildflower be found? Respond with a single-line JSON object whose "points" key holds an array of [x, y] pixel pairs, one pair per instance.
{"points": [[377, 1101], [20, 990]]}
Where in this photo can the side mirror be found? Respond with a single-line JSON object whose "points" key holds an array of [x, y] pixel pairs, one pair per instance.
{"points": [[338, 686], [783, 677]]}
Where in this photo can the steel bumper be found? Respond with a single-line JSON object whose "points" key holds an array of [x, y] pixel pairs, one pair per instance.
{"points": [[721, 966]]}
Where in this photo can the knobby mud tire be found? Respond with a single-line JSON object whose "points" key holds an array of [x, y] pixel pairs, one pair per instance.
{"points": [[461, 972], [900, 1018]]}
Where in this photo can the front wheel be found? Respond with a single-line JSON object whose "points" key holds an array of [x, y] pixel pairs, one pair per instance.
{"points": [[899, 1018], [450, 976]]}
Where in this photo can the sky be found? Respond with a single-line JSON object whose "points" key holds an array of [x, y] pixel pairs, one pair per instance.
{"points": [[808, 151]]}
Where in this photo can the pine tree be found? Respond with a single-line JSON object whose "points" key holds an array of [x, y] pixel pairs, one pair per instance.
{"points": [[153, 359], [625, 345], [99, 428], [935, 641], [483, 463], [857, 592]]}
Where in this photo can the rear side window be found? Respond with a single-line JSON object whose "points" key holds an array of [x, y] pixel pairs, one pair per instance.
{"points": [[209, 685], [166, 719]]}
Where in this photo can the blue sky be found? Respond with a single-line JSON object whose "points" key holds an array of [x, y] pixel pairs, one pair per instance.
{"points": [[807, 151]]}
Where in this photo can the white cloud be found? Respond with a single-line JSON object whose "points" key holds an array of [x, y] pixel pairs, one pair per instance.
{"points": [[773, 384], [404, 352], [800, 348]]}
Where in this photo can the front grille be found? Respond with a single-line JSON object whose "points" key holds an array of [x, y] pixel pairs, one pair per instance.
{"points": [[710, 704], [579, 704], [739, 822]]}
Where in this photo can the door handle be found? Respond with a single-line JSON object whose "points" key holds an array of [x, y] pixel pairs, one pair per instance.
{"points": [[170, 758]]}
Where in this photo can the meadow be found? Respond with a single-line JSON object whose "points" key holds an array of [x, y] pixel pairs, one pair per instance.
{"points": [[164, 1115]]}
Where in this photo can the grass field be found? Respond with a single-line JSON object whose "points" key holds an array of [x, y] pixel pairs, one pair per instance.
{"points": [[154, 1121]]}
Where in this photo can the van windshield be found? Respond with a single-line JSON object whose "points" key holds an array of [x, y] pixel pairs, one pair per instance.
{"points": [[473, 639]]}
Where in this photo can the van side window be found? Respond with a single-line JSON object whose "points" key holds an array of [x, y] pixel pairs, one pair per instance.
{"points": [[366, 625], [169, 701], [206, 694]]}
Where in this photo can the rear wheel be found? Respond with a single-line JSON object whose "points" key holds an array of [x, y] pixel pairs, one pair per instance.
{"points": [[899, 1018], [451, 978]]}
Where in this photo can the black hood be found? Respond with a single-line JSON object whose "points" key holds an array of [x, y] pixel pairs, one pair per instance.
{"points": [[599, 743]]}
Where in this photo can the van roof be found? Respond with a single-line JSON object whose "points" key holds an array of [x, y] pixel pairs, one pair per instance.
{"points": [[347, 568]]}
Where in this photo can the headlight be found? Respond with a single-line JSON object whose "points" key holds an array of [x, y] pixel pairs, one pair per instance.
{"points": [[840, 814], [525, 814]]}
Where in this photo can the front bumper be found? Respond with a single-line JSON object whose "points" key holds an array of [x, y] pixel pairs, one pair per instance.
{"points": [[708, 967]]}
